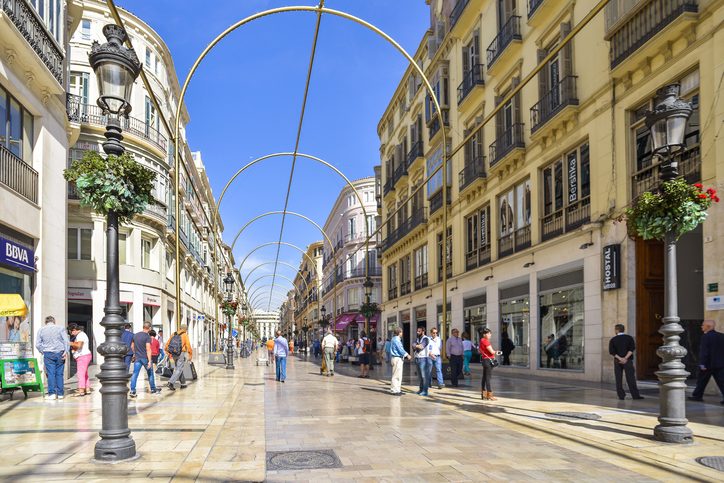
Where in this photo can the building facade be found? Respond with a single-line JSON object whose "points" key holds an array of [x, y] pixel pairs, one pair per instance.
{"points": [[536, 196], [267, 323], [348, 225], [307, 284], [33, 147]]}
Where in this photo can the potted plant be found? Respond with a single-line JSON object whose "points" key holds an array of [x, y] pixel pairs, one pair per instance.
{"points": [[369, 309], [228, 307]]}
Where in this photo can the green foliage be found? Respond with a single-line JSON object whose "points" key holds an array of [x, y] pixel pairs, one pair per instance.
{"points": [[677, 207], [116, 183], [229, 307], [369, 309]]}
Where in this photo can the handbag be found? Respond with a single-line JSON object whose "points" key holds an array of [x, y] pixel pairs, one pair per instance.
{"points": [[494, 362]]}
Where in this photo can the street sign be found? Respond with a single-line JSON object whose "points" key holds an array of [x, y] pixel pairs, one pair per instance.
{"points": [[611, 267]]}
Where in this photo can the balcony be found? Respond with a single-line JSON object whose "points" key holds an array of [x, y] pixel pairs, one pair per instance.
{"points": [[400, 171], [472, 171], [436, 201], [508, 33], [18, 175], [649, 177], [471, 78], [157, 211], [404, 288], [413, 221], [477, 257], [389, 186], [421, 281], [392, 293], [514, 242], [449, 272], [566, 219], [434, 124], [32, 28], [414, 153], [554, 101], [457, 11], [93, 115], [510, 139], [631, 23]]}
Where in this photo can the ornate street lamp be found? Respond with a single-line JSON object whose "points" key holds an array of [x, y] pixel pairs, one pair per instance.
{"points": [[368, 284], [305, 328], [229, 294], [116, 68], [667, 123]]}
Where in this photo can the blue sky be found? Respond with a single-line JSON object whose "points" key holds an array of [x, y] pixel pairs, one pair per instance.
{"points": [[244, 102]]}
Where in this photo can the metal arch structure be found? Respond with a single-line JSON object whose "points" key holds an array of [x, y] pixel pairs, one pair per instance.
{"points": [[256, 292], [289, 265], [280, 212], [267, 275], [319, 10]]}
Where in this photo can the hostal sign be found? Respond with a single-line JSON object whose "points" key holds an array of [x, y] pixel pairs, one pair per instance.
{"points": [[611, 267]]}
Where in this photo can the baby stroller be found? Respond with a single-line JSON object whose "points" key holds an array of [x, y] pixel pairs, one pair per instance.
{"points": [[262, 357]]}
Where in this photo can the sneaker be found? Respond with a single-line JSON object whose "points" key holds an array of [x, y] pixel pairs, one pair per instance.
{"points": [[440, 386], [50, 396], [60, 396], [423, 394], [156, 391], [184, 386], [170, 386], [132, 394], [638, 397], [693, 398]]}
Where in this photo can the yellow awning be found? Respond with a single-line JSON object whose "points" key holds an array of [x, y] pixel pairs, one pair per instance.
{"points": [[12, 304]]}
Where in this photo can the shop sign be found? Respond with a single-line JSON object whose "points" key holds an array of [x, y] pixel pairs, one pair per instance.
{"points": [[126, 297], [17, 255], [78, 293], [153, 300], [572, 178], [611, 267]]}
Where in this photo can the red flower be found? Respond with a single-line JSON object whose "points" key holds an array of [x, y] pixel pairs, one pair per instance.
{"points": [[698, 185], [716, 199], [702, 196], [710, 191]]}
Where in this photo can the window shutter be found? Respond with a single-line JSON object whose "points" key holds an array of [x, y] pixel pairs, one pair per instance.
{"points": [[499, 118], [542, 75], [516, 101], [567, 51], [466, 60], [468, 148]]}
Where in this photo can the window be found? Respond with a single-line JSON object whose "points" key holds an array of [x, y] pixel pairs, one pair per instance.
{"points": [[353, 297], [371, 224], [515, 325], [405, 275], [79, 87], [85, 29], [352, 228], [148, 57], [420, 267], [16, 127], [51, 13], [561, 322], [477, 238], [122, 248], [151, 117], [448, 255], [514, 211], [566, 192], [435, 183], [392, 281], [146, 251], [79, 243]]}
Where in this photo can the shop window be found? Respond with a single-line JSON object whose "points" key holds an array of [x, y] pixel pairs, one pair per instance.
{"points": [[514, 212], [515, 326], [79, 243]]}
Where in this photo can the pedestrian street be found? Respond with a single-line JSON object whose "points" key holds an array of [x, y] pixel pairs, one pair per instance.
{"points": [[242, 425]]}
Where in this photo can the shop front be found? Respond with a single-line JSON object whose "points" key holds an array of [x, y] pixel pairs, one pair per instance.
{"points": [[514, 339], [80, 312], [17, 260], [561, 322], [475, 319]]}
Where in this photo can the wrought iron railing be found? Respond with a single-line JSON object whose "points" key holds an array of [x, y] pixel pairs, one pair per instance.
{"points": [[414, 153], [404, 288], [477, 257], [561, 95], [566, 219], [457, 11], [421, 281], [90, 114], [413, 221], [436, 201], [389, 185], [400, 171], [449, 271], [508, 32], [31, 26], [473, 77], [392, 293], [509, 139], [434, 125], [18, 175], [473, 170], [514, 242], [649, 177]]}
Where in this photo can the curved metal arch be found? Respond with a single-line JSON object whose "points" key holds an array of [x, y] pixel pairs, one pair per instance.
{"points": [[280, 212], [257, 293], [267, 275], [319, 9], [268, 263], [264, 296], [304, 253]]}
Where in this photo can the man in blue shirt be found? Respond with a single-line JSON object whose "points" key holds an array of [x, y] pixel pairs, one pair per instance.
{"points": [[397, 356], [127, 338], [281, 350], [53, 342]]}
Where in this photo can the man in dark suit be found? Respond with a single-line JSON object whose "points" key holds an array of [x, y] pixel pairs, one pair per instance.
{"points": [[622, 348], [711, 360]]}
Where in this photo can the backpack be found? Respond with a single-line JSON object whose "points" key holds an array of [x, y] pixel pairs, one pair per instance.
{"points": [[175, 345]]}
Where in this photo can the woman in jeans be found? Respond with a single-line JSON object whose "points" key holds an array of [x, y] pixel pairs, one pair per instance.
{"points": [[487, 354], [467, 353]]}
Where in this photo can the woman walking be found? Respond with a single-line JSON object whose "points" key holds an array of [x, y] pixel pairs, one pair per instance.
{"points": [[467, 353], [487, 354], [82, 356]]}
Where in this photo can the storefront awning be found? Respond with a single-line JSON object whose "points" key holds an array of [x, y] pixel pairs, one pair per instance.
{"points": [[12, 304], [360, 319], [343, 321]]}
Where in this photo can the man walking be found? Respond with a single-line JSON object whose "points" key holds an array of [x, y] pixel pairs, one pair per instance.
{"points": [[711, 360], [281, 351], [397, 357], [364, 352], [127, 338], [141, 346], [179, 349], [436, 357], [454, 347], [423, 346], [622, 348], [329, 347], [53, 342]]}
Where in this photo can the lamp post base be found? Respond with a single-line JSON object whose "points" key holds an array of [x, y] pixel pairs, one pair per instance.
{"points": [[677, 434], [115, 450], [230, 354]]}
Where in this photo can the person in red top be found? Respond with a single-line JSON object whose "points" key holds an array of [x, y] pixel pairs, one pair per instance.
{"points": [[155, 348], [487, 354]]}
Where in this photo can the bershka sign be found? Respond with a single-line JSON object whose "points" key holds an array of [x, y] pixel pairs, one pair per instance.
{"points": [[17, 255], [611, 267]]}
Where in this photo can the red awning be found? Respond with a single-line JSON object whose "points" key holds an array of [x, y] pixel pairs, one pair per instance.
{"points": [[343, 321]]}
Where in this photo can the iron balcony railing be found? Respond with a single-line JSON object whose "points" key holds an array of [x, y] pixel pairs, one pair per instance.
{"points": [[389, 185], [436, 201], [509, 139], [508, 32], [477, 257], [18, 175], [642, 25], [31, 26], [473, 77], [90, 114], [449, 271], [649, 177], [421, 281], [413, 221], [404, 288], [566, 219], [400, 171], [561, 95], [457, 11], [414, 153], [472, 171], [514, 242], [533, 6], [434, 125], [392, 293]]}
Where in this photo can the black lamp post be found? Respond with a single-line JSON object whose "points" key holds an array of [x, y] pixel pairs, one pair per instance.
{"points": [[368, 294], [667, 123], [305, 328], [229, 294], [116, 68], [323, 323]]}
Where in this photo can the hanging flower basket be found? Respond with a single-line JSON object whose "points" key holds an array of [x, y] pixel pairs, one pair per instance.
{"points": [[114, 183], [678, 207], [369, 309], [228, 307]]}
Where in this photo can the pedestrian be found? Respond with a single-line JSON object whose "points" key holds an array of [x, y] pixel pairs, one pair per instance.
{"points": [[436, 357], [380, 351], [487, 354], [161, 345], [270, 349], [711, 360], [388, 343], [364, 350], [141, 346], [622, 348], [179, 349], [53, 342], [291, 346], [82, 356], [397, 356], [506, 345], [329, 347], [551, 349], [423, 345], [316, 348], [155, 349], [467, 353], [127, 338], [281, 351], [455, 349]]}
